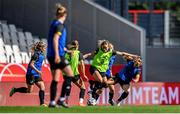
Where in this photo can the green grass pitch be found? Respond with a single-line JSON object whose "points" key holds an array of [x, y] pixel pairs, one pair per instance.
{"points": [[92, 109]]}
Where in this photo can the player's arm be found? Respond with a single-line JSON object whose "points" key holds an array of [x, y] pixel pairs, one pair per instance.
{"points": [[56, 37], [110, 82], [82, 66], [33, 60], [90, 54], [68, 51], [137, 78], [85, 56], [83, 69]]}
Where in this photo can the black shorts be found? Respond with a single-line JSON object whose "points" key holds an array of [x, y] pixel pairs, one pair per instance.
{"points": [[30, 79], [108, 77], [63, 63], [73, 79], [92, 69], [120, 81]]}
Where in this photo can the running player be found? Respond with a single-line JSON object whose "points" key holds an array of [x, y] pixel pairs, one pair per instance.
{"points": [[56, 52], [130, 72], [74, 59], [34, 74]]}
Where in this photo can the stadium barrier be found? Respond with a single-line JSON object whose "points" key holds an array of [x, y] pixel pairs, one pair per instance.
{"points": [[143, 93], [140, 94]]}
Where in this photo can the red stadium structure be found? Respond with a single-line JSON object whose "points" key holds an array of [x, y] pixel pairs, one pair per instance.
{"points": [[13, 75]]}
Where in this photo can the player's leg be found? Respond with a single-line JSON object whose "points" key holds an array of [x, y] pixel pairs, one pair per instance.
{"points": [[28, 89], [91, 87], [97, 76], [80, 83], [41, 87], [66, 88], [53, 87], [111, 94], [124, 95]]}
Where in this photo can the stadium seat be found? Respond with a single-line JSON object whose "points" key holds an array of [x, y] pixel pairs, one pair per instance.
{"points": [[8, 50], [23, 48], [15, 49], [3, 58], [36, 39], [30, 42], [0, 27], [17, 58], [21, 38], [28, 35], [5, 27], [2, 49], [25, 57], [12, 28], [1, 42], [44, 40], [6, 37], [14, 38]]}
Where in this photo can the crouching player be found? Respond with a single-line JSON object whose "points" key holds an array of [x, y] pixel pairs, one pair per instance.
{"points": [[34, 73], [131, 71]]}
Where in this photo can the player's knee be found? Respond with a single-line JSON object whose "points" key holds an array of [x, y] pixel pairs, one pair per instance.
{"points": [[83, 87], [112, 91], [29, 90]]}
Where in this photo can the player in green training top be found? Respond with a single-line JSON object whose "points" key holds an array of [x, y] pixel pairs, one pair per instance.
{"points": [[100, 64], [74, 58]]}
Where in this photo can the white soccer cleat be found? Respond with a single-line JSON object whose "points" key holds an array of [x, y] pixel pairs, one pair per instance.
{"points": [[91, 102], [119, 103]]}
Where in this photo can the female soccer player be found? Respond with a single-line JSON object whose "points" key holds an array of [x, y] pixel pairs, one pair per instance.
{"points": [[34, 73], [74, 59], [100, 65], [130, 72], [56, 51]]}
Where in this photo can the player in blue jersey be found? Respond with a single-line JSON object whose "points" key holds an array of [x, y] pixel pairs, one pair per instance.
{"points": [[34, 73], [56, 51], [131, 71], [109, 76]]}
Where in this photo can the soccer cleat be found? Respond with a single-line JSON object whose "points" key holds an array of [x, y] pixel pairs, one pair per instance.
{"points": [[52, 105], [112, 102], [82, 104], [12, 91], [62, 103], [43, 105], [118, 103]]}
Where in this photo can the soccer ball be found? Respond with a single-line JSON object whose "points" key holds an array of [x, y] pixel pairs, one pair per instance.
{"points": [[91, 102]]}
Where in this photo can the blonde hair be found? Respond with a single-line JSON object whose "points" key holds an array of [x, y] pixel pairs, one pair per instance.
{"points": [[60, 10], [111, 46], [38, 46]]}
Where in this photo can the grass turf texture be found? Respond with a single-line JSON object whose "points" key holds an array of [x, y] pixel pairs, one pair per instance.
{"points": [[91, 109]]}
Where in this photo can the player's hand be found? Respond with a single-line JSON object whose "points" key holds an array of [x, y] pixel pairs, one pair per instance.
{"points": [[57, 60], [40, 73], [136, 80]]}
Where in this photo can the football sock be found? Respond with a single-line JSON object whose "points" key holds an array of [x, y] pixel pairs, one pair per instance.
{"points": [[53, 90], [41, 96], [123, 96], [66, 87], [21, 90], [111, 95], [91, 84], [82, 93]]}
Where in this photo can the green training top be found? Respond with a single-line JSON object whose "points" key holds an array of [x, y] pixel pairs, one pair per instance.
{"points": [[101, 60], [74, 61]]}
